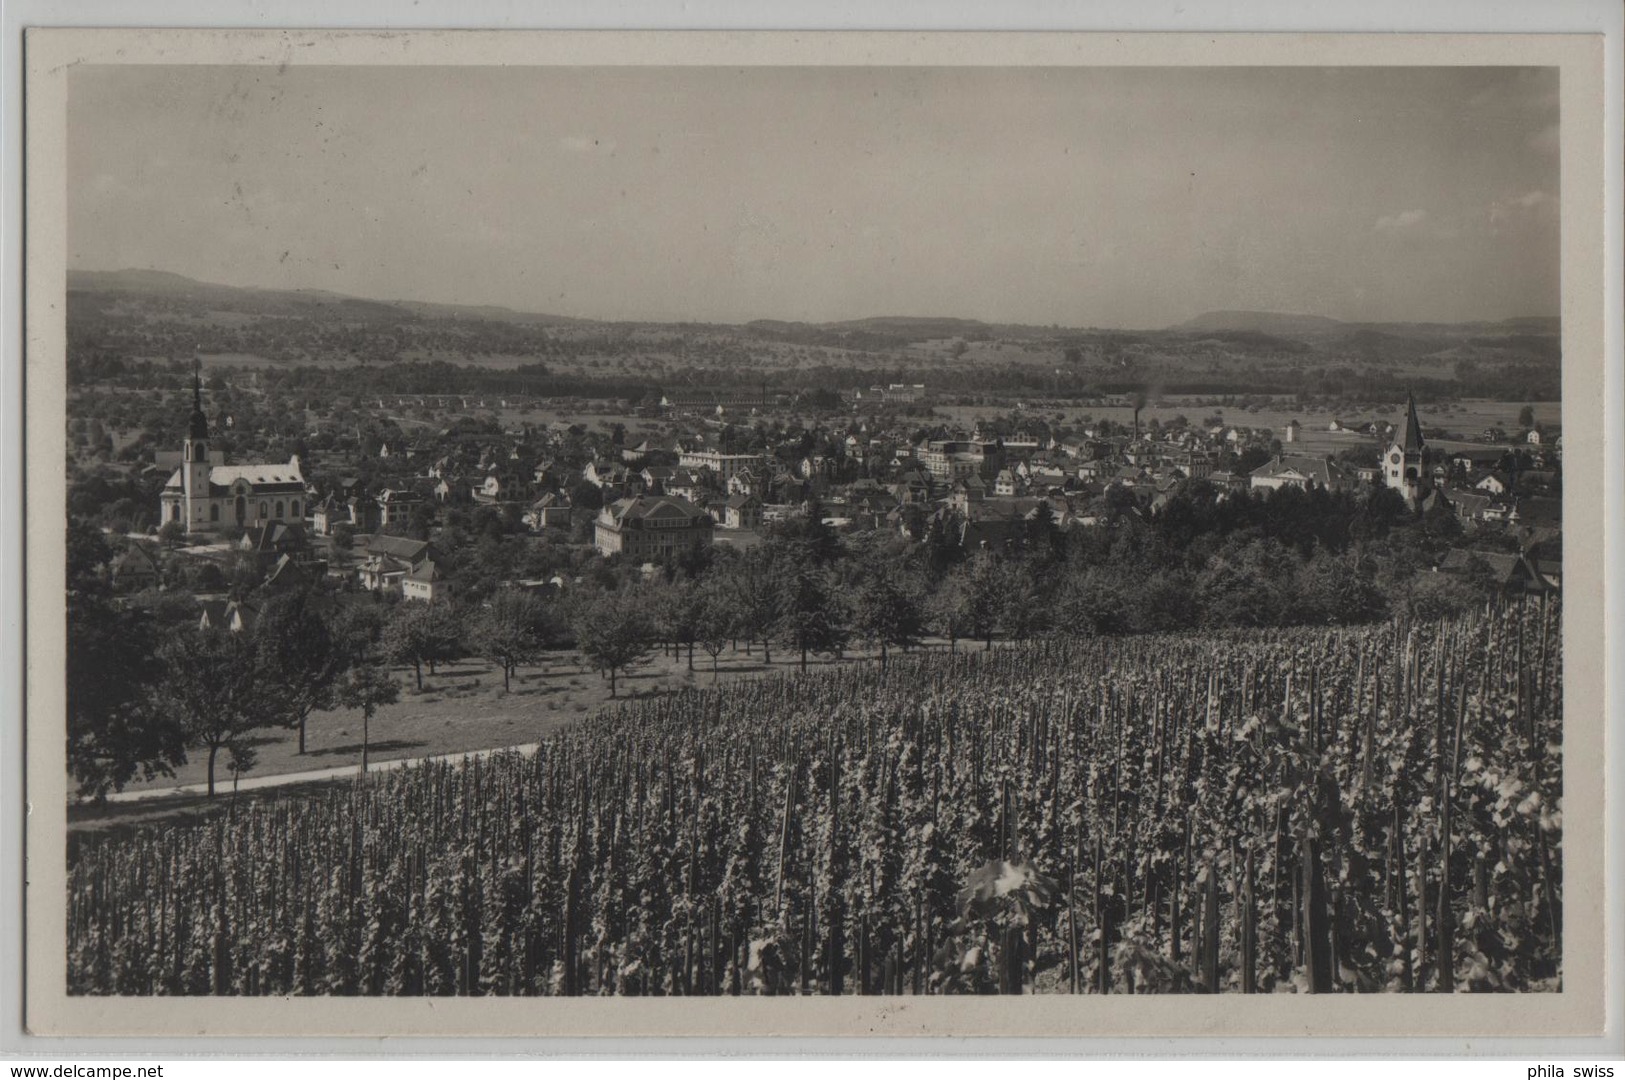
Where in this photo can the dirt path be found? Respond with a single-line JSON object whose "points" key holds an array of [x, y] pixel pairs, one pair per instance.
{"points": [[255, 783]]}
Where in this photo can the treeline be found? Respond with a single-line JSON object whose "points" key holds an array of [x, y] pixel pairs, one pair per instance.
{"points": [[143, 696]]}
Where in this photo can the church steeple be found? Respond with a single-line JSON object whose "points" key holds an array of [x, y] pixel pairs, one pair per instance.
{"points": [[1404, 469], [1412, 442], [197, 426]]}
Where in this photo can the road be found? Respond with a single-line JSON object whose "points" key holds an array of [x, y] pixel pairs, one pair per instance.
{"points": [[343, 772]]}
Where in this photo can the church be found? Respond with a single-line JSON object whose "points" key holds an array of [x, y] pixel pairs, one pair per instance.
{"points": [[1404, 469], [205, 497]]}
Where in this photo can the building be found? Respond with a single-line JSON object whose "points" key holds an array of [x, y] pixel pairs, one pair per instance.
{"points": [[233, 616], [1402, 461], [425, 582], [898, 393], [551, 511], [726, 466], [1299, 472], [652, 527], [1291, 432], [387, 560], [954, 459], [742, 512], [395, 506], [136, 569], [204, 495]]}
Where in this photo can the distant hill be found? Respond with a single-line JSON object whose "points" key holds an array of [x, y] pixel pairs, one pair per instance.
{"points": [[1534, 324], [1273, 323], [163, 285]]}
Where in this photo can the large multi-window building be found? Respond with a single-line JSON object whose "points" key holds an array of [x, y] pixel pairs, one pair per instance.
{"points": [[652, 527], [956, 459], [725, 466]]}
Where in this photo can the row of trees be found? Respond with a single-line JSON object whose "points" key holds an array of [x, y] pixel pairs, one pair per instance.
{"points": [[138, 707]]}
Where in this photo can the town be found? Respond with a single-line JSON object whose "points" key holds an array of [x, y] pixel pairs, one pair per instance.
{"points": [[732, 521]]}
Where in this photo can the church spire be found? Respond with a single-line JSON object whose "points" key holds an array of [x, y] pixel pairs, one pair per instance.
{"points": [[1412, 442], [197, 426]]}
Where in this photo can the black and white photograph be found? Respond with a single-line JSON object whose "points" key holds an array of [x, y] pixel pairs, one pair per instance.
{"points": [[817, 530]]}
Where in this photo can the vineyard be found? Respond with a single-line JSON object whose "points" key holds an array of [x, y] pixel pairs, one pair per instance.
{"points": [[1374, 809]]}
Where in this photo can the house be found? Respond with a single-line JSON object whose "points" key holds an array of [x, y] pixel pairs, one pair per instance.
{"points": [[655, 478], [288, 573], [273, 541], [1495, 483], [234, 616], [651, 527], [1509, 574], [425, 581], [742, 512], [967, 490], [136, 569], [1471, 506], [501, 487], [328, 513], [386, 560], [605, 474], [551, 511], [394, 506]]}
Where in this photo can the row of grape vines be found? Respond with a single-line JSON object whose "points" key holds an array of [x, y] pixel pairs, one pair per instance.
{"points": [[1341, 810]]}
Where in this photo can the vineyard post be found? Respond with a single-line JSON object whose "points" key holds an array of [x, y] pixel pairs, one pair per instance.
{"points": [[1399, 901], [1421, 912], [1210, 929], [1103, 971], [1249, 928], [1316, 961], [1444, 921]]}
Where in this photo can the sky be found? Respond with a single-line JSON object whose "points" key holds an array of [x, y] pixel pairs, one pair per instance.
{"points": [[1110, 197]]}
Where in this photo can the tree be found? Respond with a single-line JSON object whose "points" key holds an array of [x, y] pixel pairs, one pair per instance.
{"points": [[216, 690], [88, 557], [342, 540], [1022, 608], [719, 618], [512, 631], [948, 609], [679, 610], [753, 579], [113, 733], [888, 608], [811, 614], [368, 688], [356, 629], [1526, 417], [417, 633], [983, 598], [297, 649], [614, 632]]}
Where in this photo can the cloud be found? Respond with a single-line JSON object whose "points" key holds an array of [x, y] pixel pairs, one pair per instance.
{"points": [[587, 144], [1405, 219], [1527, 204]]}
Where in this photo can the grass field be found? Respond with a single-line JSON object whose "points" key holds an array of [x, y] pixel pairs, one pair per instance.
{"points": [[463, 707]]}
